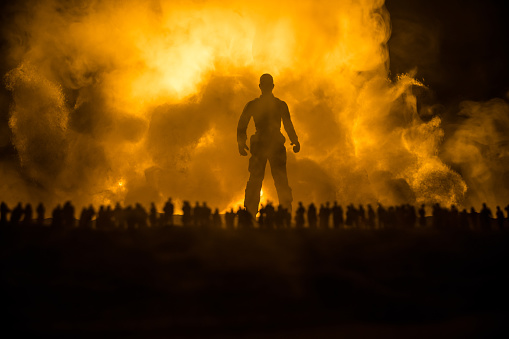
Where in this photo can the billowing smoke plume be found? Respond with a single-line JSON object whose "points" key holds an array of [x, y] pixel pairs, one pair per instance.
{"points": [[480, 149], [138, 101]]}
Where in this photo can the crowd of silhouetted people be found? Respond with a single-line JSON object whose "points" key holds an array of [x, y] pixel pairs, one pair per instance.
{"points": [[269, 217]]}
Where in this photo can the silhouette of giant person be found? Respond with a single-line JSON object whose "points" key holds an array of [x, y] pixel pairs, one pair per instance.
{"points": [[268, 143]]}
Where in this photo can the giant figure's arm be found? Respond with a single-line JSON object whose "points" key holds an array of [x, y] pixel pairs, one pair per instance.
{"points": [[287, 122], [242, 125], [242, 128]]}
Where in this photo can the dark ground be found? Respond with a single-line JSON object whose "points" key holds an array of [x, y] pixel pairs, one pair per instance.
{"points": [[178, 282]]}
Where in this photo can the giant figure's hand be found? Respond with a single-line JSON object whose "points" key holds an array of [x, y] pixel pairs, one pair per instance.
{"points": [[296, 147], [242, 149]]}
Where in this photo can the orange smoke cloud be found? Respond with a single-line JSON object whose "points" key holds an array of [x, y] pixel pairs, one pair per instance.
{"points": [[149, 94], [480, 148]]}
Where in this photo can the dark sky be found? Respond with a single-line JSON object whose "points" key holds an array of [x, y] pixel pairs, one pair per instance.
{"points": [[460, 47]]}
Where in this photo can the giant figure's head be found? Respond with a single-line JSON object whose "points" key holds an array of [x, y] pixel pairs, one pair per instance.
{"points": [[266, 83]]}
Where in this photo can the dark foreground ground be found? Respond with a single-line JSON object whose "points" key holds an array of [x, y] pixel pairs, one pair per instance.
{"points": [[179, 282]]}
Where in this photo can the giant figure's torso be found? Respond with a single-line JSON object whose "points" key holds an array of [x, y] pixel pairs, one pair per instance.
{"points": [[266, 112]]}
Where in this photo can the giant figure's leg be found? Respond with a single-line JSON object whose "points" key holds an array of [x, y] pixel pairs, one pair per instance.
{"points": [[257, 164], [277, 161]]}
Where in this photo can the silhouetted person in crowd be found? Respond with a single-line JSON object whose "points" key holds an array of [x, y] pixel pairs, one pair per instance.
{"points": [[186, 214], [370, 223], [68, 215], [229, 219], [382, 216], [153, 216], [132, 217], [248, 219], [453, 216], [100, 222], [349, 216], [40, 210], [337, 215], [299, 216], [141, 216], [321, 216], [474, 219], [206, 213], [288, 219], [90, 216], [280, 217], [270, 214], [352, 217], [485, 217], [261, 217], [129, 217], [17, 214], [168, 213], [463, 219], [4, 212], [216, 220], [197, 214], [87, 213], [411, 215], [361, 216], [110, 223], [391, 218], [500, 218], [245, 218], [324, 214], [312, 217], [57, 221], [118, 216], [28, 215], [328, 211], [422, 216], [268, 143], [507, 211], [83, 215], [438, 216], [397, 216]]}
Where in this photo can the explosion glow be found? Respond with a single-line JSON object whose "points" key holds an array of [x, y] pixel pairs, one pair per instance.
{"points": [[138, 101]]}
